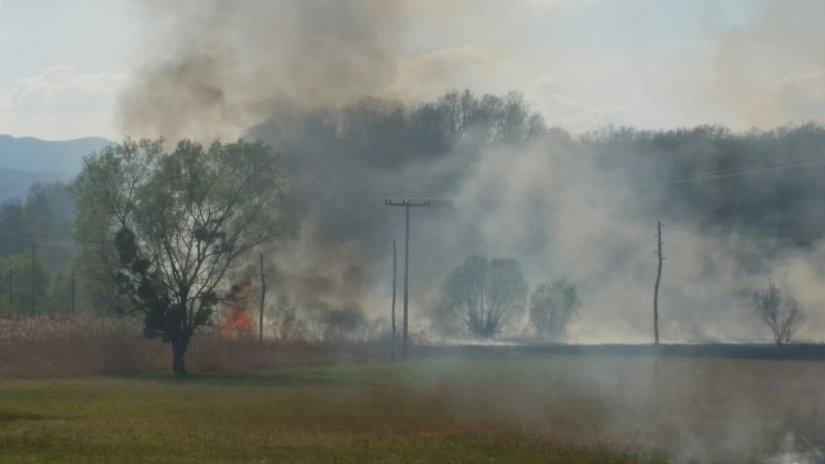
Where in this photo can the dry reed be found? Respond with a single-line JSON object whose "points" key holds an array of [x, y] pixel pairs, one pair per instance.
{"points": [[79, 346]]}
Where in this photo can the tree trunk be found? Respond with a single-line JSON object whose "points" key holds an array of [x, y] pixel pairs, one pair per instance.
{"points": [[179, 347]]}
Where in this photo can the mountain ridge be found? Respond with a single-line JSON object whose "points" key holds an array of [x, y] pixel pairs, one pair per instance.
{"points": [[26, 161]]}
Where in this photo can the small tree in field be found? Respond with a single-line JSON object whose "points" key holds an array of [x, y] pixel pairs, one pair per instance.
{"points": [[481, 295], [163, 228], [552, 306], [782, 315]]}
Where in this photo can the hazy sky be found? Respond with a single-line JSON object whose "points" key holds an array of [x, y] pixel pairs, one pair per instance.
{"points": [[582, 63]]}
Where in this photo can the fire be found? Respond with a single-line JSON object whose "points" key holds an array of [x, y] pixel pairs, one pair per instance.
{"points": [[235, 321]]}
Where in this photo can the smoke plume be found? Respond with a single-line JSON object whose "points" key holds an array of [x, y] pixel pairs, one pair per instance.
{"points": [[311, 78], [219, 67]]}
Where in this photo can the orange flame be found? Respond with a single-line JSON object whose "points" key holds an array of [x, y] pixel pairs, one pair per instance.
{"points": [[235, 322]]}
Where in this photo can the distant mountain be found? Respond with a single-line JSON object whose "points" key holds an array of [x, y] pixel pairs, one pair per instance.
{"points": [[64, 158], [26, 161]]}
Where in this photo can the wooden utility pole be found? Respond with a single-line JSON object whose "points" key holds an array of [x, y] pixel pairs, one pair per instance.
{"points": [[407, 203], [394, 270], [658, 281], [263, 297]]}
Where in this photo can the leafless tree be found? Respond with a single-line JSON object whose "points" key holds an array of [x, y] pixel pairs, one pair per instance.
{"points": [[782, 314]]}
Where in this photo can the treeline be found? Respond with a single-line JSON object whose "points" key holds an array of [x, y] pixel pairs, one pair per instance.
{"points": [[37, 252], [467, 152], [341, 162], [762, 183], [759, 183]]}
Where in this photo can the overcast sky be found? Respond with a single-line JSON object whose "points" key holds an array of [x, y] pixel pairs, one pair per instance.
{"points": [[582, 63]]}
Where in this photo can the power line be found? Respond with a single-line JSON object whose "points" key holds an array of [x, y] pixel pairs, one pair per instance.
{"points": [[734, 172]]}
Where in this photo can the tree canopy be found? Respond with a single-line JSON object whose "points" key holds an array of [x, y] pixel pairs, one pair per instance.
{"points": [[164, 227], [36, 250]]}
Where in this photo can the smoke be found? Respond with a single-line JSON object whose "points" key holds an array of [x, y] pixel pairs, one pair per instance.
{"points": [[587, 211], [351, 93], [342, 164], [583, 209], [772, 72], [310, 78], [219, 67], [215, 68]]}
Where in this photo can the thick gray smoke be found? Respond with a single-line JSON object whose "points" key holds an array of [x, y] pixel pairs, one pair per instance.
{"points": [[738, 211], [299, 75], [217, 67], [343, 163]]}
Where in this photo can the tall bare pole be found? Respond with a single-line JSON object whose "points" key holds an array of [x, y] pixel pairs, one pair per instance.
{"points": [[658, 281], [407, 203], [263, 297], [394, 272]]}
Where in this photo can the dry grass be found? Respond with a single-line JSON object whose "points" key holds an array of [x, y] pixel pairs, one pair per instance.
{"points": [[347, 413], [692, 407], [555, 408], [67, 347], [48, 347]]}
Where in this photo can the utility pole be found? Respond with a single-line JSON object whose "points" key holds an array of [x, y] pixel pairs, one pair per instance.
{"points": [[407, 203], [11, 275], [263, 297], [658, 281], [394, 269]]}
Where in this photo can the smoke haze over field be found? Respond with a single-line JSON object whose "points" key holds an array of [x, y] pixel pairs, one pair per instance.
{"points": [[318, 80]]}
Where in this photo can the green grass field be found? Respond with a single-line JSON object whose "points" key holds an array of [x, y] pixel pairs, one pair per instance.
{"points": [[531, 409]]}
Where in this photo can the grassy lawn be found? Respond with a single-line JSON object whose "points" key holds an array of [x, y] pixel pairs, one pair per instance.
{"points": [[520, 410]]}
